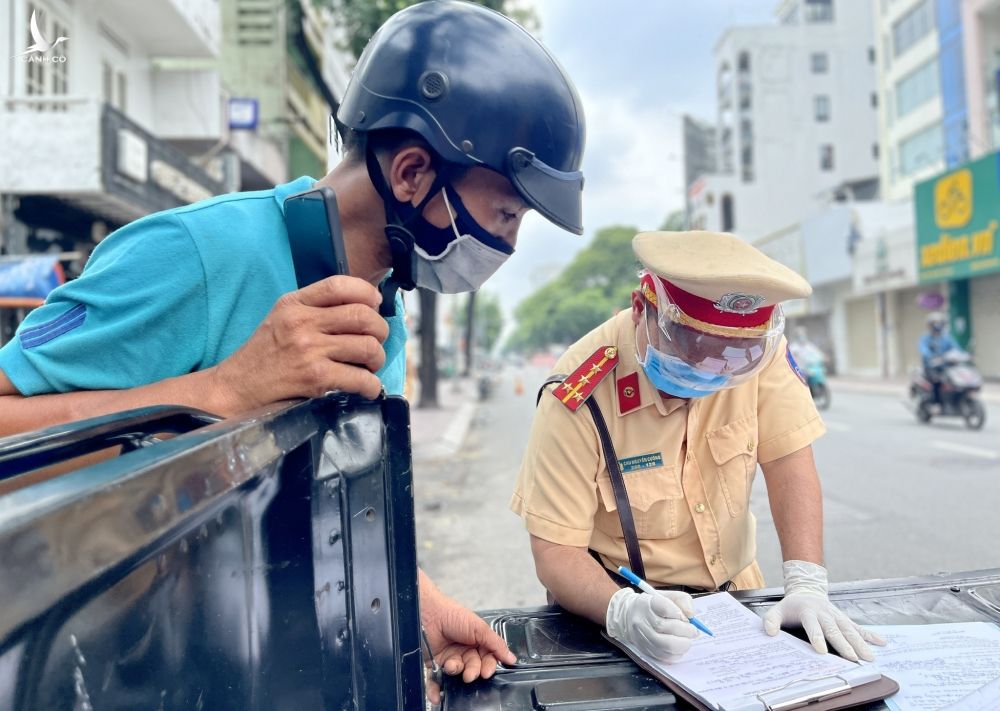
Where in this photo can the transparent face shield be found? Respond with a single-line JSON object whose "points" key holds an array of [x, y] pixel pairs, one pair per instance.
{"points": [[686, 357]]}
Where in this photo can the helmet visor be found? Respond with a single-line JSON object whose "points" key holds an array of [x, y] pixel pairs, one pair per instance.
{"points": [[557, 195], [711, 353]]}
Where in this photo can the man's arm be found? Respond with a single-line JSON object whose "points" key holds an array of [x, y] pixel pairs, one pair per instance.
{"points": [[796, 499], [325, 337], [576, 580]]}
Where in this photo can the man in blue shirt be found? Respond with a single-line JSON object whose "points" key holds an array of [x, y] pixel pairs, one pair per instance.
{"points": [[198, 306], [934, 344]]}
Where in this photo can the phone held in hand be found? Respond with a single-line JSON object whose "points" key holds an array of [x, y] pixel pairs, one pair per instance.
{"points": [[314, 235]]}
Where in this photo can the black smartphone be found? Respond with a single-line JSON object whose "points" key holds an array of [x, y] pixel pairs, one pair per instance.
{"points": [[314, 235]]}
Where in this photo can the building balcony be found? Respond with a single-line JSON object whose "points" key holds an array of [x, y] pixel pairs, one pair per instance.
{"points": [[95, 157], [171, 28]]}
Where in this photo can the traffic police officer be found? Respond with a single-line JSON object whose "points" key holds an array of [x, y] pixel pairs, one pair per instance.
{"points": [[685, 393]]}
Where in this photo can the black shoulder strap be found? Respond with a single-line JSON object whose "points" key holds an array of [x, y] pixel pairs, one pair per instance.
{"points": [[617, 481]]}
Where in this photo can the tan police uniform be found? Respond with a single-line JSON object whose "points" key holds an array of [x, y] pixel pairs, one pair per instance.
{"points": [[688, 465]]}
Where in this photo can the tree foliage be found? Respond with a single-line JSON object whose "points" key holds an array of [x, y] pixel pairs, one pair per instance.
{"points": [[592, 288], [487, 319], [360, 18]]}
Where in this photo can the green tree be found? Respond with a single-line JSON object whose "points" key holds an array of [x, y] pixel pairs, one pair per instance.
{"points": [[676, 221], [487, 319], [360, 18], [592, 288]]}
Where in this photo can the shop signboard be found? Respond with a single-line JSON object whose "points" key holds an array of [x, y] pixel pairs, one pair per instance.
{"points": [[958, 215]]}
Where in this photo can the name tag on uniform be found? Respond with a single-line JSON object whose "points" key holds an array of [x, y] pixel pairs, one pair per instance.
{"points": [[640, 462]]}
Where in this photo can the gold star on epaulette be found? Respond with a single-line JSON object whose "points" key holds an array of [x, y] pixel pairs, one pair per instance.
{"points": [[579, 385]]}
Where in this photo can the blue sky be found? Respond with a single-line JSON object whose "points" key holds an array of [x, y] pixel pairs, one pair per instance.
{"points": [[638, 65]]}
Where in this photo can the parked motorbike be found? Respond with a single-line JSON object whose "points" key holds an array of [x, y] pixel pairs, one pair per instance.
{"points": [[816, 380], [960, 383]]}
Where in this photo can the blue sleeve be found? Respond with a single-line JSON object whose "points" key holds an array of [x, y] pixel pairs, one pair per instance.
{"points": [[925, 346], [393, 372], [136, 315]]}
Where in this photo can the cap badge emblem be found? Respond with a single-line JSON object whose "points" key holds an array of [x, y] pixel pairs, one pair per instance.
{"points": [[739, 303]]}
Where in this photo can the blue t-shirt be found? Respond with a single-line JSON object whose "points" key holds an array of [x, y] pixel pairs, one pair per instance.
{"points": [[169, 294]]}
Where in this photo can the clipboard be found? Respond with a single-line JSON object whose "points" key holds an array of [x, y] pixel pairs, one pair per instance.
{"points": [[840, 696]]}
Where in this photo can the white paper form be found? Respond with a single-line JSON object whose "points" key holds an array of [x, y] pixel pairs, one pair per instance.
{"points": [[985, 698], [741, 660], [937, 665]]}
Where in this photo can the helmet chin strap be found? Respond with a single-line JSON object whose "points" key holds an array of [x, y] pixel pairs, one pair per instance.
{"points": [[397, 232]]}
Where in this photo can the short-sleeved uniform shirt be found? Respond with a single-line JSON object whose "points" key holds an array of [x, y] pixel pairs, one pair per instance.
{"points": [[688, 466], [171, 293]]}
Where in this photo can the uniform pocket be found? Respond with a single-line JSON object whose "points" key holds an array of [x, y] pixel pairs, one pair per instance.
{"points": [[734, 450], [653, 495]]}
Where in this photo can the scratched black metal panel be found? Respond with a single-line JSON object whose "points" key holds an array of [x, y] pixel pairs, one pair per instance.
{"points": [[365, 560], [182, 575]]}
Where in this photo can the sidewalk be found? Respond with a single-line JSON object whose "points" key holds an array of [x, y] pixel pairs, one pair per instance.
{"points": [[897, 386], [438, 433]]}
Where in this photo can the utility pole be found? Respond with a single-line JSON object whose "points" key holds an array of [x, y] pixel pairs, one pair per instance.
{"points": [[428, 349], [470, 332]]}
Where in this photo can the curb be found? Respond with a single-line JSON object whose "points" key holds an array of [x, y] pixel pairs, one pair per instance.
{"points": [[452, 438]]}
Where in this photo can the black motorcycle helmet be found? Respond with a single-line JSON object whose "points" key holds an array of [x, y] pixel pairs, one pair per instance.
{"points": [[481, 91]]}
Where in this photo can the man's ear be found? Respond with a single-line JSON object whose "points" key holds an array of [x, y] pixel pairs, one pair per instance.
{"points": [[411, 174], [638, 305]]}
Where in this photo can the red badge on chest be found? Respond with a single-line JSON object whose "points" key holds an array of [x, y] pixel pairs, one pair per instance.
{"points": [[628, 393]]}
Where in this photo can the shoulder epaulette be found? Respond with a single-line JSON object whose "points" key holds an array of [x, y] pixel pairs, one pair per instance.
{"points": [[579, 384]]}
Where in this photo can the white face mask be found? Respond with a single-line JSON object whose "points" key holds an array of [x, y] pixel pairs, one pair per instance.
{"points": [[464, 265]]}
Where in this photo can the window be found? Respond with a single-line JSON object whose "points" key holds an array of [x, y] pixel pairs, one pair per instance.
{"points": [[122, 102], [819, 62], [826, 157], [922, 149], [874, 99], [875, 151], [726, 210], [746, 163], [871, 55], [817, 11], [107, 83], [917, 88], [912, 27], [60, 71], [34, 82], [821, 108]]}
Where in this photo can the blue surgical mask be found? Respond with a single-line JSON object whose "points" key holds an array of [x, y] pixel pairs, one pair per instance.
{"points": [[673, 376]]}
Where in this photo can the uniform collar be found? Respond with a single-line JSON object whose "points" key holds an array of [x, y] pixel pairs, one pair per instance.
{"points": [[285, 190], [629, 364]]}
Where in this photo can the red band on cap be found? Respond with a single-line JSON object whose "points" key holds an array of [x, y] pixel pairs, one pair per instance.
{"points": [[706, 310]]}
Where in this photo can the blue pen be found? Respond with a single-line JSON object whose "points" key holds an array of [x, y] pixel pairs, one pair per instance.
{"points": [[647, 588]]}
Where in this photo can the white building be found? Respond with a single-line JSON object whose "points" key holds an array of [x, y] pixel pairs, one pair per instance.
{"points": [[796, 122]]}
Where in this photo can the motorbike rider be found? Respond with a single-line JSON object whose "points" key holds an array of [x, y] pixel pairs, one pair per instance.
{"points": [[803, 350], [934, 344]]}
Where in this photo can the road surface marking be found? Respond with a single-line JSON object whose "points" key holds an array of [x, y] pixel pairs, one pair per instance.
{"points": [[966, 449], [835, 426]]}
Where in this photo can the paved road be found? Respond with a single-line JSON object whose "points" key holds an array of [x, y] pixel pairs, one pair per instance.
{"points": [[900, 498]]}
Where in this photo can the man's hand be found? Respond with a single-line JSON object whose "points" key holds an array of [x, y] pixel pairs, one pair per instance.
{"points": [[656, 624], [806, 604], [460, 641], [327, 336]]}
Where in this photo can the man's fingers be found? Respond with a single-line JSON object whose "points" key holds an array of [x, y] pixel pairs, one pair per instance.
{"points": [[357, 350], [674, 628], [772, 620], [814, 631], [683, 601], [327, 376], [871, 637], [836, 638], [355, 319], [337, 290], [852, 633], [489, 666], [473, 663], [664, 607], [492, 643]]}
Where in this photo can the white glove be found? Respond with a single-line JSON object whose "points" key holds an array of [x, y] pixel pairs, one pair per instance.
{"points": [[806, 604], [656, 624]]}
